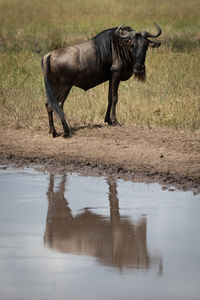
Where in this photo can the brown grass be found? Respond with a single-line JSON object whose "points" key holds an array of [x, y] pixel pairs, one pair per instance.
{"points": [[169, 98]]}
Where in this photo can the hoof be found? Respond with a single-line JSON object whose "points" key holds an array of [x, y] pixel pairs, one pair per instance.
{"points": [[114, 123], [55, 134], [66, 135]]}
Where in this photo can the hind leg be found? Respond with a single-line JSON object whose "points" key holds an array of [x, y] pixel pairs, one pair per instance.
{"points": [[63, 93], [51, 123]]}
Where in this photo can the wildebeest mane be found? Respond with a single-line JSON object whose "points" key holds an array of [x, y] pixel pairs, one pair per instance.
{"points": [[123, 49], [102, 42]]}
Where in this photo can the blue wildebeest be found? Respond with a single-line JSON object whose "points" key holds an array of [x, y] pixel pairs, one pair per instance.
{"points": [[114, 54]]}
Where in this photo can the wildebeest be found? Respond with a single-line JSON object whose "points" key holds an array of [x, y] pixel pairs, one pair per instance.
{"points": [[114, 54]]}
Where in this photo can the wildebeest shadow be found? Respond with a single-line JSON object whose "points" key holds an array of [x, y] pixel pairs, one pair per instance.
{"points": [[74, 129], [114, 241]]}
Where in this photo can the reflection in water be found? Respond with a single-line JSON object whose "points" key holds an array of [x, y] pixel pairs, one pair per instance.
{"points": [[116, 241]]}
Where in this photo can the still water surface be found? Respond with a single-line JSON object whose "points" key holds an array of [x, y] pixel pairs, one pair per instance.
{"points": [[74, 237]]}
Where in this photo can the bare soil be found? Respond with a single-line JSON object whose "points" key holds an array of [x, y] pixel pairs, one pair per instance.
{"points": [[137, 153]]}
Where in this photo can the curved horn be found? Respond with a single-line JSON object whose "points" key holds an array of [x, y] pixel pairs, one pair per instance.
{"points": [[147, 34], [118, 28], [124, 36]]}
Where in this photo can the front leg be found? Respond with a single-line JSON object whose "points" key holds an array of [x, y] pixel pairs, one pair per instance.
{"points": [[107, 117], [111, 118]]}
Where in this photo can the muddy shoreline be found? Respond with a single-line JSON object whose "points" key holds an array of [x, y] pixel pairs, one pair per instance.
{"points": [[98, 169], [168, 157]]}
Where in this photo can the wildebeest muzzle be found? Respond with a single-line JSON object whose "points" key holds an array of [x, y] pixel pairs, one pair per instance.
{"points": [[140, 72], [139, 69]]}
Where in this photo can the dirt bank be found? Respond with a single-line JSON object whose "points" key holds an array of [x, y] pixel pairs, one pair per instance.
{"points": [[136, 153]]}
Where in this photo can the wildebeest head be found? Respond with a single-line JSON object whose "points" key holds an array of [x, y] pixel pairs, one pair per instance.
{"points": [[138, 44]]}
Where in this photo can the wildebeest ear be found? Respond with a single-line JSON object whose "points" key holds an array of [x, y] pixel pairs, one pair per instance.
{"points": [[154, 44], [126, 42]]}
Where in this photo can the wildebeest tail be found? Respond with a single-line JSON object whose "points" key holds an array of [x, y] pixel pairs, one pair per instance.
{"points": [[51, 99]]}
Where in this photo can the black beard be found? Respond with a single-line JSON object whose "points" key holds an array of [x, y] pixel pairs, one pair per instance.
{"points": [[140, 77]]}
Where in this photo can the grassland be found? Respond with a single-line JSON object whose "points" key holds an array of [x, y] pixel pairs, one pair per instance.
{"points": [[169, 98]]}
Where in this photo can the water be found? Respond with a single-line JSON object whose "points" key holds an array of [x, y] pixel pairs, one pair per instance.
{"points": [[74, 237]]}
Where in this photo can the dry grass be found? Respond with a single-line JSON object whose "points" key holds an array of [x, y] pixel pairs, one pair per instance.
{"points": [[169, 98]]}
